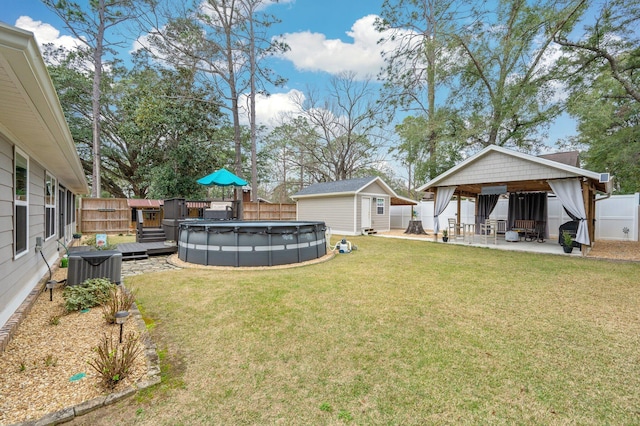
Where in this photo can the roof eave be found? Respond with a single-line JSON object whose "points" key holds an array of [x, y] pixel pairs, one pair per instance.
{"points": [[54, 148]]}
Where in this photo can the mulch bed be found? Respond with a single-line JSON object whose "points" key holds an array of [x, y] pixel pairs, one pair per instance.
{"points": [[49, 348]]}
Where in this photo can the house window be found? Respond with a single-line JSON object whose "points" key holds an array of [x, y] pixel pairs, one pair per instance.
{"points": [[69, 207], [21, 203], [50, 191], [380, 205]]}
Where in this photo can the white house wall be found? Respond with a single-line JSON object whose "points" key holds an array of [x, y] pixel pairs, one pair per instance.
{"points": [[612, 215], [336, 212]]}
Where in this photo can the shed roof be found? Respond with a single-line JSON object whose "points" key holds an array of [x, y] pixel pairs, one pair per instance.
{"points": [[517, 171], [140, 203], [349, 187], [30, 113], [339, 187]]}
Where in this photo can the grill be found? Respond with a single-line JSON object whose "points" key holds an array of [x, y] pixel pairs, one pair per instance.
{"points": [[94, 264]]}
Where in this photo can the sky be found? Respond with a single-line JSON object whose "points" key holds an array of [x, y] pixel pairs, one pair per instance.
{"points": [[325, 37]]}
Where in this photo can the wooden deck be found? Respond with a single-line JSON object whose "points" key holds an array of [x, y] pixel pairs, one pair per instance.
{"points": [[133, 251]]}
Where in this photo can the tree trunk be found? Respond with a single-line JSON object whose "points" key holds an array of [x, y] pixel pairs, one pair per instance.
{"points": [[252, 108], [96, 186]]}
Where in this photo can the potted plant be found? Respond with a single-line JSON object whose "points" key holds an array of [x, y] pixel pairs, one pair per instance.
{"points": [[445, 235], [567, 242]]}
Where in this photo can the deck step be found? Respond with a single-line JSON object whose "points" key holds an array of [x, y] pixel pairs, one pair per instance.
{"points": [[134, 256], [152, 235]]}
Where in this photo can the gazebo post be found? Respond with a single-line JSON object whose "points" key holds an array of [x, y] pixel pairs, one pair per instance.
{"points": [[458, 215], [587, 196], [435, 200], [475, 215]]}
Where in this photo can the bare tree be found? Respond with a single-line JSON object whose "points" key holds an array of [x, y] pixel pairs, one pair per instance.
{"points": [[348, 126]]}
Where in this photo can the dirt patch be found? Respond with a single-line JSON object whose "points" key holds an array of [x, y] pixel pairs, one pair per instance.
{"points": [[48, 350], [617, 250], [174, 260]]}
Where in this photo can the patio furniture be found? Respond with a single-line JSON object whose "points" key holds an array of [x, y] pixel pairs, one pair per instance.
{"points": [[541, 227], [502, 227], [469, 232], [489, 229], [456, 230], [511, 236], [525, 228]]}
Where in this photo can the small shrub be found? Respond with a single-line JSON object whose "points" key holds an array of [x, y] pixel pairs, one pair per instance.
{"points": [[114, 361], [325, 406], [92, 292], [50, 361], [120, 299], [54, 320], [345, 415], [567, 239]]}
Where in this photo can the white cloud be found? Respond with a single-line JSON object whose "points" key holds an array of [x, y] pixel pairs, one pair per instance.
{"points": [[314, 52], [47, 33], [271, 110]]}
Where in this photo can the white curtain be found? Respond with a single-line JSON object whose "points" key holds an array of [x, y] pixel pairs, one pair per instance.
{"points": [[569, 192], [443, 196]]}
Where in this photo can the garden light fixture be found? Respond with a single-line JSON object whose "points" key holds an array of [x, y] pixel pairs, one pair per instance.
{"points": [[121, 318], [50, 285]]}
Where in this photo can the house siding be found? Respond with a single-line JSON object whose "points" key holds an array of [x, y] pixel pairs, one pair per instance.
{"points": [[374, 188], [336, 212], [21, 275], [499, 167], [381, 222]]}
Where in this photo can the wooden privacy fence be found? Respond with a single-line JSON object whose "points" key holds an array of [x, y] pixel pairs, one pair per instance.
{"points": [[113, 215], [263, 211], [104, 215]]}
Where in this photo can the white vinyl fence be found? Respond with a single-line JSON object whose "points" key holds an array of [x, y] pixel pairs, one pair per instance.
{"points": [[613, 216]]}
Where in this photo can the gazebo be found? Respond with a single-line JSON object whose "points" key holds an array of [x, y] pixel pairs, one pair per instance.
{"points": [[495, 171]]}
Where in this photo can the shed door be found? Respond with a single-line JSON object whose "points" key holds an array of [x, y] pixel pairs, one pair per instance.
{"points": [[366, 212]]}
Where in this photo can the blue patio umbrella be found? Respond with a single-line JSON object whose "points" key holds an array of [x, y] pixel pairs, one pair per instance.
{"points": [[222, 177]]}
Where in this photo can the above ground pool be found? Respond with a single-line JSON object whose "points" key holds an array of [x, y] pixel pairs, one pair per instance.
{"points": [[255, 243]]}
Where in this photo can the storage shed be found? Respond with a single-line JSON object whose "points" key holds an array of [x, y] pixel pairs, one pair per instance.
{"points": [[349, 207]]}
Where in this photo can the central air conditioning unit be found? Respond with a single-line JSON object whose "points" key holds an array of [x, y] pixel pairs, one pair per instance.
{"points": [[94, 264]]}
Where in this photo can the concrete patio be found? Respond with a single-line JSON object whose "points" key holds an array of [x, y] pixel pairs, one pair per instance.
{"points": [[549, 246]]}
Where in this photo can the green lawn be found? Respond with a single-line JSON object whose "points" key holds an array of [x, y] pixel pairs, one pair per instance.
{"points": [[397, 332]]}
